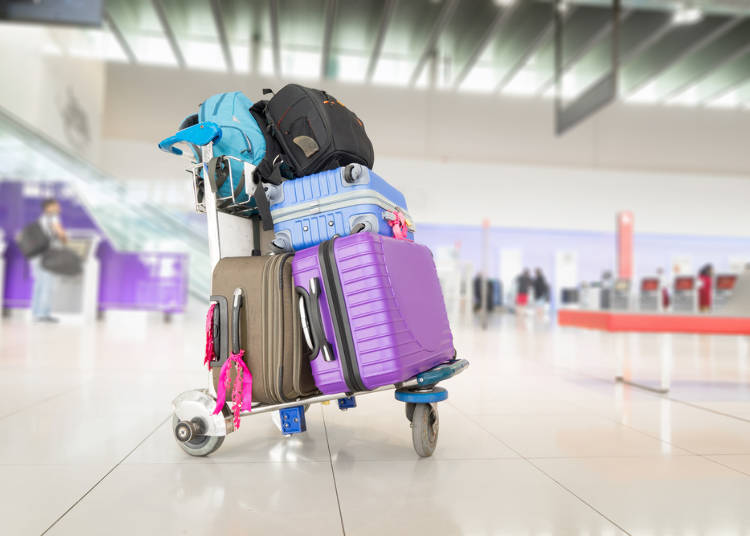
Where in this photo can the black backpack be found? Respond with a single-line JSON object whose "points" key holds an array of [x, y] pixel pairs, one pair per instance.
{"points": [[32, 240], [307, 131]]}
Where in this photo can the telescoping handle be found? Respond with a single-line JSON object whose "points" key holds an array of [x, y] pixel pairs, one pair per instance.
{"points": [[237, 302], [200, 135], [312, 322]]}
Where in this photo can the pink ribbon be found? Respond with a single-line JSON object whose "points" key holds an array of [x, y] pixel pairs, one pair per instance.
{"points": [[399, 226], [210, 353], [242, 391]]}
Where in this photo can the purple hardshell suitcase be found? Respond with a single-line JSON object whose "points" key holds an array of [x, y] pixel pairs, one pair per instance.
{"points": [[372, 311]]}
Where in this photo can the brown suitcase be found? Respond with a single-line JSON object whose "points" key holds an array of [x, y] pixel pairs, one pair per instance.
{"points": [[256, 294]]}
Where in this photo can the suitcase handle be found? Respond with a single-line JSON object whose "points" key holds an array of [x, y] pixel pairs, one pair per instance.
{"points": [[236, 306], [312, 322]]}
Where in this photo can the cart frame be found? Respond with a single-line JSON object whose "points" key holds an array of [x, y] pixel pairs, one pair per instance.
{"points": [[196, 429]]}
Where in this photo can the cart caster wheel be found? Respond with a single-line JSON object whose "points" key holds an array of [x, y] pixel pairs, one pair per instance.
{"points": [[409, 406], [425, 425], [197, 445]]}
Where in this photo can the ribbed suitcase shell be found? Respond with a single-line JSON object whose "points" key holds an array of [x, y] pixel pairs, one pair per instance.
{"points": [[311, 209], [393, 304]]}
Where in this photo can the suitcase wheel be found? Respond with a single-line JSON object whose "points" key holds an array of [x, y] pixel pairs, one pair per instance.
{"points": [[425, 425], [189, 439]]}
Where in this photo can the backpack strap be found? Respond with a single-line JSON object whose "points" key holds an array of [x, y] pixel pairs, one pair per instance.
{"points": [[269, 169], [264, 207], [218, 175]]}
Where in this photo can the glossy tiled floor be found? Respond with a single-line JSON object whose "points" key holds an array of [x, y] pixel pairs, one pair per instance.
{"points": [[536, 438]]}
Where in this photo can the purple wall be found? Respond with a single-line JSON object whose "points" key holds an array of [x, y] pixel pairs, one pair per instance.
{"points": [[128, 280], [596, 250]]}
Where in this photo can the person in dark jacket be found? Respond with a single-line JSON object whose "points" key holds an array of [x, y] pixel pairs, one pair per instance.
{"points": [[44, 280], [705, 287], [524, 287], [541, 288]]}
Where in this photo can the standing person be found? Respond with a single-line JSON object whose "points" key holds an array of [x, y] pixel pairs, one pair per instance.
{"points": [[44, 280], [663, 288], [705, 288], [524, 286], [541, 288]]}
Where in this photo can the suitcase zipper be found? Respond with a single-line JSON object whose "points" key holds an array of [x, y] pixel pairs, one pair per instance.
{"points": [[337, 307]]}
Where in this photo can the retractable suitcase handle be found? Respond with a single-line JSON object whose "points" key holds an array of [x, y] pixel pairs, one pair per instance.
{"points": [[312, 322], [237, 302]]}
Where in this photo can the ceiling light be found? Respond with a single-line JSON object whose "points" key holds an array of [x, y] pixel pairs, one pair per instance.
{"points": [[684, 15], [729, 100], [351, 67], [203, 55], [300, 63], [480, 79], [504, 3], [645, 95], [525, 82], [394, 71], [152, 50]]}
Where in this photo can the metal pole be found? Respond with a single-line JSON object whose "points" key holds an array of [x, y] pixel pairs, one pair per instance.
{"points": [[483, 274]]}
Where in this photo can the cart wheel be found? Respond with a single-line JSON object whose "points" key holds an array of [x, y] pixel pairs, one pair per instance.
{"points": [[409, 406], [425, 425], [199, 445]]}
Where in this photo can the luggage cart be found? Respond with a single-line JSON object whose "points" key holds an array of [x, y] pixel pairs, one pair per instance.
{"points": [[196, 429]]}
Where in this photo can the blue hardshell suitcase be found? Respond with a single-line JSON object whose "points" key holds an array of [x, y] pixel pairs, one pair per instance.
{"points": [[309, 210]]}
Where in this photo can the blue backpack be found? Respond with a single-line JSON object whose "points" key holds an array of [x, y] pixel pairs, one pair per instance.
{"points": [[241, 138]]}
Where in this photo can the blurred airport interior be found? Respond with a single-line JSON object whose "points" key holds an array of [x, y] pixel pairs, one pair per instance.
{"points": [[579, 170]]}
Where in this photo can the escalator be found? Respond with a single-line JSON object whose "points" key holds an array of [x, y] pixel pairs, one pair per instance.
{"points": [[30, 155]]}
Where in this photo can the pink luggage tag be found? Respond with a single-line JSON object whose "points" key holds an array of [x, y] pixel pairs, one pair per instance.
{"points": [[210, 352], [399, 224], [242, 391]]}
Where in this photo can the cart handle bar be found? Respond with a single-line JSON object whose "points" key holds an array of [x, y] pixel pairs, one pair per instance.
{"points": [[200, 135]]}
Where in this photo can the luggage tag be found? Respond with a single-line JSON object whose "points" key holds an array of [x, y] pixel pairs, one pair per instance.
{"points": [[399, 224], [210, 354], [241, 391]]}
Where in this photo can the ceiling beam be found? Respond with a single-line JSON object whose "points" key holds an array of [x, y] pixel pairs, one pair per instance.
{"points": [[119, 37], [443, 18], [646, 43], [590, 43], [728, 88], [161, 14], [330, 19], [540, 38], [699, 76], [388, 10], [275, 41], [683, 53], [221, 33], [500, 20], [255, 40]]}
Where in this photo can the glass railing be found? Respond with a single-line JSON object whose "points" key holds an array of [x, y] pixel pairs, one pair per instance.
{"points": [[30, 155]]}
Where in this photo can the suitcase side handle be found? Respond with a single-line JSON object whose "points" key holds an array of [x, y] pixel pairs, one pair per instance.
{"points": [[312, 322], [236, 306]]}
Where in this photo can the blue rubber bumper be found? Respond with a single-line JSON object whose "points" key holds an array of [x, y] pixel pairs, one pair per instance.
{"points": [[438, 394]]}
